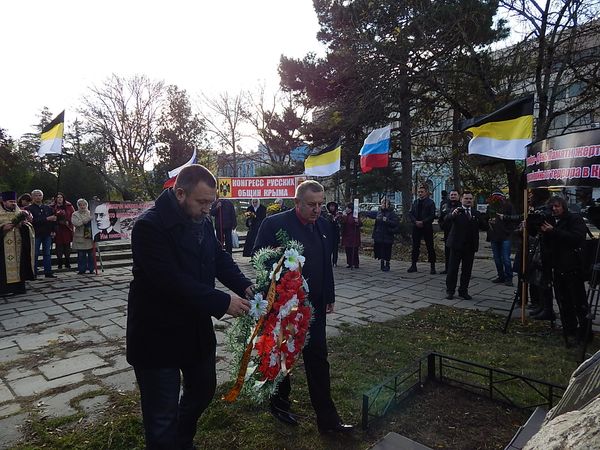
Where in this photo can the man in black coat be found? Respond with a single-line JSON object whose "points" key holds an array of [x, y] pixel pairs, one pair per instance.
{"points": [[305, 225], [225, 221], [448, 205], [463, 241], [562, 240], [44, 225], [172, 298], [421, 215]]}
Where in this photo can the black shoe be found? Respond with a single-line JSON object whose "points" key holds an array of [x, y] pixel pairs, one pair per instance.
{"points": [[382, 265], [50, 275], [465, 296], [337, 428], [349, 266], [449, 296], [91, 272], [508, 282], [59, 266], [534, 307], [386, 268], [444, 272], [412, 269], [284, 416], [80, 273], [498, 280]]}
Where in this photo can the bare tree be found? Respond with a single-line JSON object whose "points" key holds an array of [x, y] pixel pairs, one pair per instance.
{"points": [[224, 116], [279, 120], [121, 117]]}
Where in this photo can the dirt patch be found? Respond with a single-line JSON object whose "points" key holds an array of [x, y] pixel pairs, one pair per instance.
{"points": [[446, 417]]}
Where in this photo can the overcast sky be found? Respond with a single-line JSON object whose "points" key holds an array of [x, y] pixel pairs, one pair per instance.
{"points": [[52, 50]]}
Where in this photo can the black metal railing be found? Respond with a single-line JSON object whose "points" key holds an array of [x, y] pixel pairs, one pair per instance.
{"points": [[500, 385]]}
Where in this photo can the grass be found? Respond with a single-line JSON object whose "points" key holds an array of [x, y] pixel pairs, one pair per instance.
{"points": [[360, 358]]}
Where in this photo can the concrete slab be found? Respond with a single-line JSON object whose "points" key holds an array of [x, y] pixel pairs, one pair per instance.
{"points": [[64, 367]]}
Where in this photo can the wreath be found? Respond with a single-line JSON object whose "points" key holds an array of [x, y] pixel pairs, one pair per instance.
{"points": [[267, 342]]}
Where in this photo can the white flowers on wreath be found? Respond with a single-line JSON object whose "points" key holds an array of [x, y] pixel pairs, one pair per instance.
{"points": [[258, 306], [293, 259]]}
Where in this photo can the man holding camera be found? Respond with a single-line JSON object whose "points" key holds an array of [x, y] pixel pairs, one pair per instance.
{"points": [[463, 241], [563, 236]]}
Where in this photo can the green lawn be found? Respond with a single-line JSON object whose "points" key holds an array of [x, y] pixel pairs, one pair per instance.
{"points": [[360, 358]]}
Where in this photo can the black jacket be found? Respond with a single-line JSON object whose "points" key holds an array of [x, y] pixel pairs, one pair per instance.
{"points": [[445, 208], [427, 211], [383, 231], [501, 229], [41, 226], [464, 232], [561, 247], [172, 296], [315, 268]]}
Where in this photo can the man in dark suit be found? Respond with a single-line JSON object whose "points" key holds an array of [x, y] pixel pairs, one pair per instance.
{"points": [[305, 225], [421, 215], [448, 205], [172, 298], [463, 241]]}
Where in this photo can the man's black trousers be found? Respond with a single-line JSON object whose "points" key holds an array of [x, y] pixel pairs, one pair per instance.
{"points": [[457, 257], [422, 233], [317, 374], [170, 422]]}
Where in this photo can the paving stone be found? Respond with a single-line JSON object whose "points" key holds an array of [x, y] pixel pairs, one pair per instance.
{"points": [[36, 305], [37, 384], [7, 342], [89, 312], [93, 407], [5, 394], [74, 306], [59, 405], [106, 304], [104, 320], [116, 364], [18, 372], [70, 366], [10, 430], [23, 321], [122, 381], [9, 409], [10, 354], [113, 332], [36, 341], [90, 336], [120, 321]]}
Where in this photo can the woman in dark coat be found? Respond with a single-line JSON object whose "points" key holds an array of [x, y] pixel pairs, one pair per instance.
{"points": [[351, 236], [255, 214], [63, 210], [383, 233]]}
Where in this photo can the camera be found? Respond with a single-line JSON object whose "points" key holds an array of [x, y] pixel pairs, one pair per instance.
{"points": [[460, 210], [536, 219]]}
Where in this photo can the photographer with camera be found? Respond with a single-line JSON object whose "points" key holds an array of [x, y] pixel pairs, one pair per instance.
{"points": [[463, 241], [563, 237]]}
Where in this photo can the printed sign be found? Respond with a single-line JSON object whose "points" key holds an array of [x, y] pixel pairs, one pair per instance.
{"points": [[114, 220], [568, 160], [259, 187]]}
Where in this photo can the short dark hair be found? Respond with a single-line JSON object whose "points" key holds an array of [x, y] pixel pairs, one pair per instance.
{"points": [[558, 200], [466, 192], [190, 176], [423, 186]]}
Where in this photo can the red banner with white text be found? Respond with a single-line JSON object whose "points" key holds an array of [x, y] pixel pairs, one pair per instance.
{"points": [[283, 186]]}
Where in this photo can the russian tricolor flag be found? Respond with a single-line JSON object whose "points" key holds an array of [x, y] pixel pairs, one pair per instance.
{"points": [[374, 152], [173, 173]]}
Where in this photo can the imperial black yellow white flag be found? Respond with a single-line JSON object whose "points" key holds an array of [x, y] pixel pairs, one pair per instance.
{"points": [[52, 136], [504, 133], [324, 162]]}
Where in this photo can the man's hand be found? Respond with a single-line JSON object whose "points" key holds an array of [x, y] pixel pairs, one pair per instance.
{"points": [[7, 227], [51, 218], [237, 305], [329, 309], [546, 227], [419, 223]]}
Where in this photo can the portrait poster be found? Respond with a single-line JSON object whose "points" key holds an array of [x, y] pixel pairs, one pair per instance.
{"points": [[113, 221]]}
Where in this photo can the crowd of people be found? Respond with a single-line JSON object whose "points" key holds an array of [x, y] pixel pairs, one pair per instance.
{"points": [[173, 296]]}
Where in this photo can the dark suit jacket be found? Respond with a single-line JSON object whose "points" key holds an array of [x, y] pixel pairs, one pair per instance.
{"points": [[464, 232], [289, 222], [172, 296]]}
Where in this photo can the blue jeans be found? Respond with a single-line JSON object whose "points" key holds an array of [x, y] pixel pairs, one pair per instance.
{"points": [[46, 244], [85, 260], [501, 252], [170, 422]]}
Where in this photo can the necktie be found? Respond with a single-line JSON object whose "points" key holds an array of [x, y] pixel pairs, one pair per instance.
{"points": [[469, 213]]}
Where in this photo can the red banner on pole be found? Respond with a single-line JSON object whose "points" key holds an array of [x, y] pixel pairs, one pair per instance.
{"points": [[259, 187]]}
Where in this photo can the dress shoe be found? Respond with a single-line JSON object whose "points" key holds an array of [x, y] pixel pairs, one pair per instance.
{"points": [[349, 266], [50, 275], [449, 295], [508, 283], [412, 269], [465, 296], [284, 416], [337, 428], [498, 280], [80, 273]]}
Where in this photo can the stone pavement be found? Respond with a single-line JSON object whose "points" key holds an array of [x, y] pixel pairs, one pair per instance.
{"points": [[65, 339]]}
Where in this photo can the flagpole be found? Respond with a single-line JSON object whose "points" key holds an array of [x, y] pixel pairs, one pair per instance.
{"points": [[59, 171], [525, 252]]}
